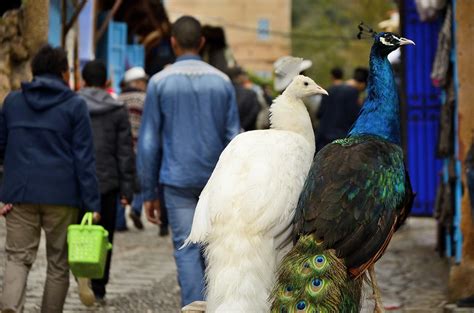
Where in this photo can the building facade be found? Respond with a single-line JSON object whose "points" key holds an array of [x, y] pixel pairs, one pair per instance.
{"points": [[257, 31]]}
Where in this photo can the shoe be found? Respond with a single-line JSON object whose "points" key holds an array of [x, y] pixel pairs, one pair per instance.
{"points": [[137, 221], [164, 231], [86, 295], [466, 302]]}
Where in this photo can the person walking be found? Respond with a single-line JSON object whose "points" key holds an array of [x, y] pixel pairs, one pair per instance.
{"points": [[247, 100], [133, 95], [47, 151], [190, 116], [359, 81], [338, 111], [114, 155]]}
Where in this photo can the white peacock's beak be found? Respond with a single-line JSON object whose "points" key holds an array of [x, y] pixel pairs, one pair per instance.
{"points": [[404, 41], [322, 91]]}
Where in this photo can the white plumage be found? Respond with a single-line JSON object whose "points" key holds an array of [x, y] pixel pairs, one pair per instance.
{"points": [[250, 200]]}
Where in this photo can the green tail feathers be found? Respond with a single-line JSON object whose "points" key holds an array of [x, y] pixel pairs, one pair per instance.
{"points": [[314, 280]]}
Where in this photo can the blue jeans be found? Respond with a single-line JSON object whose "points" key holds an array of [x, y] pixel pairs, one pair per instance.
{"points": [[137, 204], [180, 205]]}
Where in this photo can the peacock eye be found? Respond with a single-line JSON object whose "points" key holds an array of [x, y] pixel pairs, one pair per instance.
{"points": [[306, 83], [317, 282], [320, 259], [301, 305], [289, 288], [305, 267]]}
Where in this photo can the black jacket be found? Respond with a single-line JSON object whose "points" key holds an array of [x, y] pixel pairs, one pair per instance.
{"points": [[248, 107], [112, 141], [337, 113]]}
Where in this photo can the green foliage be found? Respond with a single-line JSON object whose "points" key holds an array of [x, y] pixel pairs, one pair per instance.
{"points": [[261, 81], [324, 31]]}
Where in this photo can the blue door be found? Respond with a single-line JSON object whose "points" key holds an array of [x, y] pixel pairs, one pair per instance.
{"points": [[423, 105], [112, 49], [135, 56]]}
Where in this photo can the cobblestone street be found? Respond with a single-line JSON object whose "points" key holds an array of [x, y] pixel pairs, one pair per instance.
{"points": [[411, 275], [143, 277]]}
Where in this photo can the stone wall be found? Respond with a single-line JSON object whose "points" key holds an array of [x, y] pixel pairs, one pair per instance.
{"points": [[22, 32], [13, 53], [240, 21]]}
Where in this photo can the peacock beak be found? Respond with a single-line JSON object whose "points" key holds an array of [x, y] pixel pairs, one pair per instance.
{"points": [[405, 41], [318, 90], [323, 91]]}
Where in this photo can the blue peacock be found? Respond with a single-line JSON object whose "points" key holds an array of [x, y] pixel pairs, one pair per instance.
{"points": [[355, 197]]}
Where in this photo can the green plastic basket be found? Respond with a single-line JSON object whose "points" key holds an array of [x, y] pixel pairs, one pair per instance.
{"points": [[87, 248]]}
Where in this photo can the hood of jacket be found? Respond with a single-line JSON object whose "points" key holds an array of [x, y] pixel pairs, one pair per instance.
{"points": [[99, 101], [46, 91]]}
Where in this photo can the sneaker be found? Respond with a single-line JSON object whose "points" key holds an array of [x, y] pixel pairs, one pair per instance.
{"points": [[164, 231], [86, 295], [137, 221]]}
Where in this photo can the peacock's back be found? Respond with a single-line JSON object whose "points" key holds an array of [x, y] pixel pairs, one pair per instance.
{"points": [[356, 195]]}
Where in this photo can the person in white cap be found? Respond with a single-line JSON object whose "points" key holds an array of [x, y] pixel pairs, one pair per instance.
{"points": [[133, 95], [135, 78]]}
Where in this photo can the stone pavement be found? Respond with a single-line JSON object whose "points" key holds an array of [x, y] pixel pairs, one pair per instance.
{"points": [[143, 275], [411, 275], [143, 278]]}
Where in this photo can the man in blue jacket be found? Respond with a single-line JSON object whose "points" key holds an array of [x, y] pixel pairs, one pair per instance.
{"points": [[190, 116], [49, 174]]}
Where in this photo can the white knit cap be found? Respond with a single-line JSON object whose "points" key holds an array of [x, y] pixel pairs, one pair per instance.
{"points": [[134, 73]]}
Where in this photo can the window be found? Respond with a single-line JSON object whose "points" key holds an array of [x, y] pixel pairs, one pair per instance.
{"points": [[263, 29]]}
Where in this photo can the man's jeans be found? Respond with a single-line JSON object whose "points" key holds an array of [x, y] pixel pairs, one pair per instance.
{"points": [[137, 204], [180, 205], [24, 223]]}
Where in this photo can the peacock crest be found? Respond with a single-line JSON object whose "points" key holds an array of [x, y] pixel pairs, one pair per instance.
{"points": [[316, 282]]}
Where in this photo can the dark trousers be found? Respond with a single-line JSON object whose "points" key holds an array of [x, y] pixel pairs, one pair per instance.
{"points": [[108, 217]]}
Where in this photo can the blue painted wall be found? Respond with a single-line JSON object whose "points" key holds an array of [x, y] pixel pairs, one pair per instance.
{"points": [[112, 48], [54, 33], [86, 32]]}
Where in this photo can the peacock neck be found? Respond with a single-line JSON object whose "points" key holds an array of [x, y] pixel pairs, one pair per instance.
{"points": [[293, 117], [380, 114]]}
